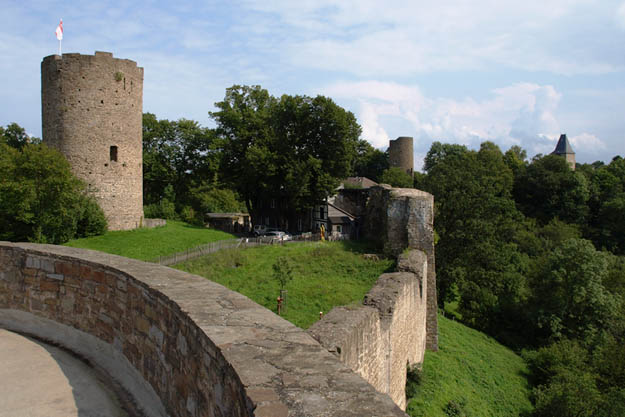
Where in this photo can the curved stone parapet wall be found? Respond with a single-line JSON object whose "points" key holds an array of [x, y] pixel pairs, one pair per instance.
{"points": [[182, 345], [384, 335]]}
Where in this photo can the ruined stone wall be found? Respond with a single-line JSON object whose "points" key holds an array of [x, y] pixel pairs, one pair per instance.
{"points": [[387, 333], [352, 200], [181, 344], [91, 107], [400, 154], [400, 218]]}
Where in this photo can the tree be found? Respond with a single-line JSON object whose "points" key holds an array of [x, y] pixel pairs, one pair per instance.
{"points": [[477, 255], [396, 177], [549, 188], [294, 150], [606, 221], [369, 162], [15, 136], [40, 199], [570, 299], [177, 154]]}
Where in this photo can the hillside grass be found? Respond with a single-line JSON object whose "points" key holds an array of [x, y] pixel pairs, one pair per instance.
{"points": [[326, 274], [471, 375], [147, 244]]}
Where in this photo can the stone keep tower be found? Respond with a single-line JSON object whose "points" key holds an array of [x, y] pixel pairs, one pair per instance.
{"points": [[92, 113], [400, 154]]}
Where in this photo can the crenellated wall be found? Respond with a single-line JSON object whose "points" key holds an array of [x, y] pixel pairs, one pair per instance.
{"points": [[180, 344], [379, 339]]}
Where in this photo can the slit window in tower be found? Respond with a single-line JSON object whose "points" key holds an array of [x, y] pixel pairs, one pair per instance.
{"points": [[113, 153]]}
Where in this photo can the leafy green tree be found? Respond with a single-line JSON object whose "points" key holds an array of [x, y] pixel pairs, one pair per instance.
{"points": [[15, 136], [606, 222], [397, 177], [370, 162], [177, 154], [294, 150], [206, 198], [244, 122], [283, 271], [549, 188], [477, 256], [40, 199], [570, 299]]}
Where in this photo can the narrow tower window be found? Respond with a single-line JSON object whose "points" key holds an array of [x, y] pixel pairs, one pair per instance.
{"points": [[113, 153]]}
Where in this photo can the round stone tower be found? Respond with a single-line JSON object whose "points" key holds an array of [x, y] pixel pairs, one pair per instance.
{"points": [[92, 113], [400, 154]]}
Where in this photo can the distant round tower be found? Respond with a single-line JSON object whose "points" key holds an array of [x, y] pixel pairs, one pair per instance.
{"points": [[92, 113], [400, 154]]}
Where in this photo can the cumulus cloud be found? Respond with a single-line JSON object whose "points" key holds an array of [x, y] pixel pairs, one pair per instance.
{"points": [[587, 143], [521, 114]]}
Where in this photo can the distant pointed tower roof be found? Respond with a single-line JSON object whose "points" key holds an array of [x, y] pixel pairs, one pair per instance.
{"points": [[564, 148]]}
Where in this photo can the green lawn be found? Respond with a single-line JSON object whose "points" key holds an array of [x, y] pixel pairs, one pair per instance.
{"points": [[326, 274], [471, 375], [147, 244]]}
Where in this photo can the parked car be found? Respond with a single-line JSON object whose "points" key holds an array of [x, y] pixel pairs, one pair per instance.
{"points": [[278, 235], [260, 230]]}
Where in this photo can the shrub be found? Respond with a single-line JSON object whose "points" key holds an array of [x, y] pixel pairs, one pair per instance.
{"points": [[40, 200]]}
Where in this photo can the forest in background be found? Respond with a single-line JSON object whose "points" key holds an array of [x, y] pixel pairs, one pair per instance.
{"points": [[531, 253]]}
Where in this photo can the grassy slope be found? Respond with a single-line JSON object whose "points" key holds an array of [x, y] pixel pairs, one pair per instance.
{"points": [[147, 244], [326, 275], [473, 367]]}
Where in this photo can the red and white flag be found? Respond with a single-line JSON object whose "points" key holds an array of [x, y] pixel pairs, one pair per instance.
{"points": [[59, 30]]}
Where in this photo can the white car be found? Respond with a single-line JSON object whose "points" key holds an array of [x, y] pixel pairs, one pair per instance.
{"points": [[278, 235]]}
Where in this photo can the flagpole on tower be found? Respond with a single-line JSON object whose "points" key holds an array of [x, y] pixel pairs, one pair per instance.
{"points": [[59, 34]]}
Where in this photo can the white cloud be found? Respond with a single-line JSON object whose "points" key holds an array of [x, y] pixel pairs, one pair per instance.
{"points": [[620, 15], [372, 38], [523, 114], [587, 143]]}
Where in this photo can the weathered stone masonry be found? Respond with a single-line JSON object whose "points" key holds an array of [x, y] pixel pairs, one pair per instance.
{"points": [[398, 318], [387, 333], [401, 218], [182, 345], [91, 111]]}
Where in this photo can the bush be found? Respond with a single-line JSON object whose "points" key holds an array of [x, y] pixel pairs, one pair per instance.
{"points": [[163, 210], [92, 221], [456, 408], [40, 200]]}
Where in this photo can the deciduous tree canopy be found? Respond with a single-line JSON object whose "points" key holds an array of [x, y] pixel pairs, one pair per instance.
{"points": [[295, 148]]}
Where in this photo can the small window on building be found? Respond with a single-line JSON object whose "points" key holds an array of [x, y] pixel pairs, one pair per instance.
{"points": [[273, 203], [113, 153], [339, 228]]}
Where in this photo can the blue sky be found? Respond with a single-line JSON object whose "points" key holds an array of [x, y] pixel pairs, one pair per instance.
{"points": [[513, 72]]}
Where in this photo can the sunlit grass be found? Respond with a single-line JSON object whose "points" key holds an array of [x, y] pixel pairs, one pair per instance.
{"points": [[147, 244], [326, 274]]}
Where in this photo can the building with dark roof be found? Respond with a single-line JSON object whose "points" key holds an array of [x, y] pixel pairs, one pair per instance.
{"points": [[563, 148]]}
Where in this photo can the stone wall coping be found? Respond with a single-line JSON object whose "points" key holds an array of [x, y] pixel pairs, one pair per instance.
{"points": [[283, 369], [383, 295]]}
